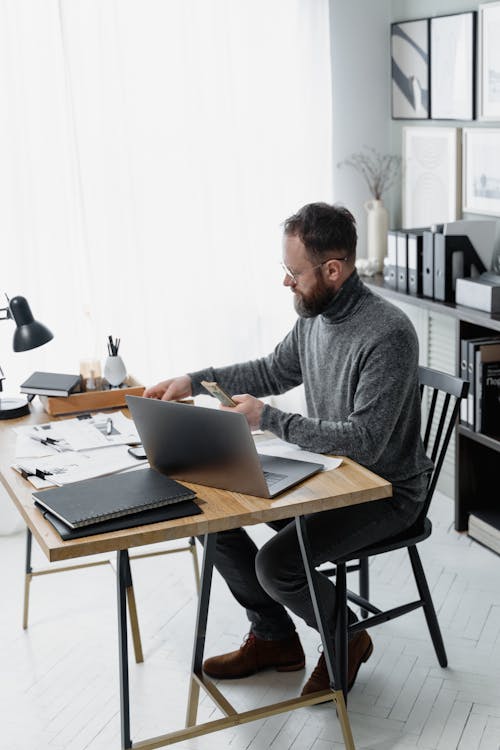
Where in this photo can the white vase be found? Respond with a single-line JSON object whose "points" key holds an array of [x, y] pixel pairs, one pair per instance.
{"points": [[376, 232], [115, 371]]}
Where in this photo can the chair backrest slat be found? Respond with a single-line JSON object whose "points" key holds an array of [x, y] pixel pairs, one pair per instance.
{"points": [[446, 392]]}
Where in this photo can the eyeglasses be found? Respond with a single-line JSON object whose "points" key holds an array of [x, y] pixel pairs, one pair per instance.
{"points": [[294, 275]]}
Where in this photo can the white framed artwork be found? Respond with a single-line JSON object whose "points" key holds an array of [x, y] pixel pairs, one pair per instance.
{"points": [[452, 54], [481, 179], [431, 176], [489, 61]]}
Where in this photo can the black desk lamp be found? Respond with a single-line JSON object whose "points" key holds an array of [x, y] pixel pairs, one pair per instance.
{"points": [[29, 334]]}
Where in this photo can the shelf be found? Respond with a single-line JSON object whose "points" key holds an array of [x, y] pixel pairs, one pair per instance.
{"points": [[460, 312], [484, 527], [478, 437]]}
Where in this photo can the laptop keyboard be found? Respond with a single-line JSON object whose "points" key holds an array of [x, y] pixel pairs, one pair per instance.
{"points": [[271, 478]]}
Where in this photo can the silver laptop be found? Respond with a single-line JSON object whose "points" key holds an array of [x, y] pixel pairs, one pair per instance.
{"points": [[211, 447]]}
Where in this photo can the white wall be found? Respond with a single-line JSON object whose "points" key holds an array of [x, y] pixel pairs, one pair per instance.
{"points": [[360, 31], [361, 95]]}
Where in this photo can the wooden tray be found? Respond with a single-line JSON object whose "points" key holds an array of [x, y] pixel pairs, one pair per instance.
{"points": [[92, 400]]}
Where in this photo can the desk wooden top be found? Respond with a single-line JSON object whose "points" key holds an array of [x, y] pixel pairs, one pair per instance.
{"points": [[350, 484]]}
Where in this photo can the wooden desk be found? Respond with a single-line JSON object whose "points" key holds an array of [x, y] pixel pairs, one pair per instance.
{"points": [[350, 484]]}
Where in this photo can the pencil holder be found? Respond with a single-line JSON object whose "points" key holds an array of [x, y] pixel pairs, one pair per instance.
{"points": [[115, 371]]}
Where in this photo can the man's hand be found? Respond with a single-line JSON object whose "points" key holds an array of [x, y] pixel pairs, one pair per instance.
{"points": [[250, 406], [173, 389]]}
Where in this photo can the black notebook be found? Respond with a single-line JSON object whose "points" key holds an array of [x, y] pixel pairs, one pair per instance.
{"points": [[103, 498], [167, 513], [50, 384]]}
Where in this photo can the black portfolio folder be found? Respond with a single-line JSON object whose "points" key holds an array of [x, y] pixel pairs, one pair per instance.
{"points": [[428, 264], [167, 513], [95, 500]]}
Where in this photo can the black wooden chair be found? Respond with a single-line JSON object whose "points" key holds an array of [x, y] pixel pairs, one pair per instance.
{"points": [[441, 394]]}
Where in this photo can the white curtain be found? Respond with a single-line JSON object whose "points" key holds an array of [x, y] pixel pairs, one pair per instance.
{"points": [[149, 151]]}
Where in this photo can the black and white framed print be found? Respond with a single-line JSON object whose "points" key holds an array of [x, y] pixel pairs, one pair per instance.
{"points": [[431, 169], [410, 69], [489, 61], [481, 173], [452, 52]]}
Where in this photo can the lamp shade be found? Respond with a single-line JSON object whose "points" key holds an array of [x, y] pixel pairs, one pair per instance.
{"points": [[29, 332]]}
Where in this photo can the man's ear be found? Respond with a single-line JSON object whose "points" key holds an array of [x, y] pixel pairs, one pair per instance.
{"points": [[334, 269]]}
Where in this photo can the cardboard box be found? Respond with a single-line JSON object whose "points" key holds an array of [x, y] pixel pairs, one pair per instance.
{"points": [[112, 398], [480, 293]]}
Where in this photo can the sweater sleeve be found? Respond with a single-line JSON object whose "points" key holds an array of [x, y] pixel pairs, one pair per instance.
{"points": [[386, 375], [278, 372]]}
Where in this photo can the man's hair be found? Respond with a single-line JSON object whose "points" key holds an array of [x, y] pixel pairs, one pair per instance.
{"points": [[323, 228]]}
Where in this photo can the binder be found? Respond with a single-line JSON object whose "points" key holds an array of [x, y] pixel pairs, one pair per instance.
{"points": [[464, 374], [402, 262], [454, 256], [449, 265], [428, 264], [390, 269], [415, 263], [95, 500]]}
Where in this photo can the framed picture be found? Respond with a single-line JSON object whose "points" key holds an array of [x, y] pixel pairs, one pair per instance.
{"points": [[489, 61], [431, 176], [452, 50], [481, 179], [410, 69]]}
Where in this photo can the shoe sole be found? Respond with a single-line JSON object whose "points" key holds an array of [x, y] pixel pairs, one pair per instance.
{"points": [[278, 667], [363, 660]]}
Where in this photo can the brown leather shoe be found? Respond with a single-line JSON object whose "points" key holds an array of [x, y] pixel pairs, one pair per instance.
{"points": [[256, 654], [359, 650]]}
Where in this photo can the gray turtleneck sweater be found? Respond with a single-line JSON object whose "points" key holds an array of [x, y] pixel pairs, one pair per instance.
{"points": [[358, 362]]}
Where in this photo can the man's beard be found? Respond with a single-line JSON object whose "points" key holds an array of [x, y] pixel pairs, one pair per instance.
{"points": [[315, 303]]}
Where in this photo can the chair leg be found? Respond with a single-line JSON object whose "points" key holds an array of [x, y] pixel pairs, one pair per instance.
{"points": [[364, 583], [429, 611], [194, 553], [27, 579]]}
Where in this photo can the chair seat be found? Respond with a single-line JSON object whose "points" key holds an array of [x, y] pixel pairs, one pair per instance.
{"points": [[415, 534]]}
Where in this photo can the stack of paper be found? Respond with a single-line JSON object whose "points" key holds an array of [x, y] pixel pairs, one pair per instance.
{"points": [[58, 453]]}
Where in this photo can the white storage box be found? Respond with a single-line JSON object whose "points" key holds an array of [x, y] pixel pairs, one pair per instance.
{"points": [[482, 293]]}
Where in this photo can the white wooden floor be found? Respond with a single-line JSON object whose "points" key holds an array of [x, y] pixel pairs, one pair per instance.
{"points": [[59, 684]]}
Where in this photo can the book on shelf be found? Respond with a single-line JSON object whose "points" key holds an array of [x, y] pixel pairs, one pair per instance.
{"points": [[470, 346], [101, 499], [484, 527], [487, 390], [50, 384]]}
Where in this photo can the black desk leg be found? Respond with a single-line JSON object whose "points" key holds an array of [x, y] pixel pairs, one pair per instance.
{"points": [[122, 577], [209, 543], [331, 664], [27, 578]]}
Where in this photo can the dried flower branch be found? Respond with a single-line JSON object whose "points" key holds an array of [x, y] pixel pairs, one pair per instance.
{"points": [[380, 171]]}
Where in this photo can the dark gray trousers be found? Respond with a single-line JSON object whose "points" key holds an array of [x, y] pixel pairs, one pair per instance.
{"points": [[270, 580]]}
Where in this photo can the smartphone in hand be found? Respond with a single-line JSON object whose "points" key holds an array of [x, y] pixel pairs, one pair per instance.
{"points": [[215, 390]]}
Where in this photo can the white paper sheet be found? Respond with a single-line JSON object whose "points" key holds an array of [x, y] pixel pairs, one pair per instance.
{"points": [[273, 446], [81, 433], [73, 466]]}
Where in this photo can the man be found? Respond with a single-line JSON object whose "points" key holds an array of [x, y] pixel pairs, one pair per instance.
{"points": [[357, 356]]}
